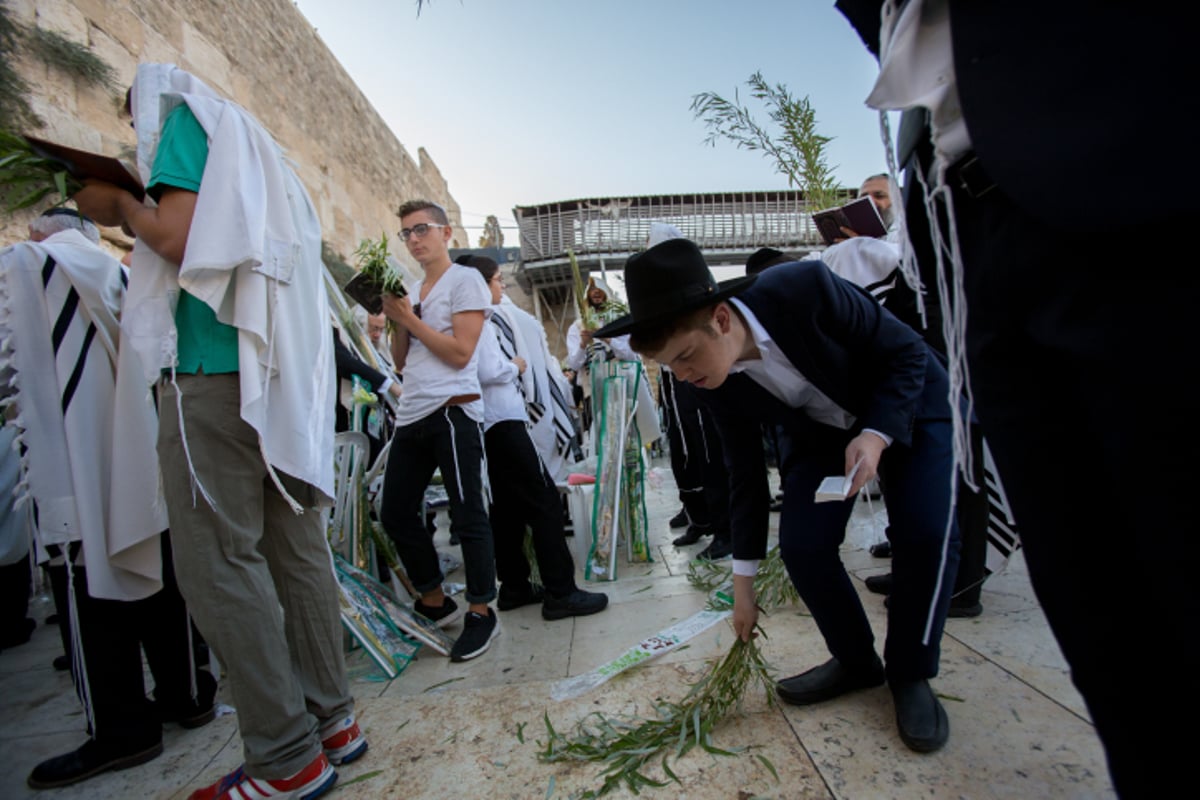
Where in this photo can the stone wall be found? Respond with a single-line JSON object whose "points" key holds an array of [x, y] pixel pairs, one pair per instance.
{"points": [[264, 55]]}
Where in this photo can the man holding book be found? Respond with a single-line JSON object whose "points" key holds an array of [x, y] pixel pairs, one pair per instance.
{"points": [[852, 388]]}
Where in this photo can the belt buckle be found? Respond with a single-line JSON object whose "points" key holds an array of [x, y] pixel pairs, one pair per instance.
{"points": [[971, 177]]}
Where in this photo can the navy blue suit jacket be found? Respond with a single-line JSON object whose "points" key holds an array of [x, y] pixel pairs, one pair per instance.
{"points": [[851, 349]]}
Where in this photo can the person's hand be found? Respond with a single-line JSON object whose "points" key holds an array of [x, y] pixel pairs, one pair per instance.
{"points": [[585, 337], [848, 233], [394, 390], [521, 365], [866, 448], [100, 201], [399, 310], [745, 607]]}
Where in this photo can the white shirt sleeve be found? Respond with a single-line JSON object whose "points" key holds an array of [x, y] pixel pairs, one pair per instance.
{"points": [[493, 367], [575, 354], [621, 348]]}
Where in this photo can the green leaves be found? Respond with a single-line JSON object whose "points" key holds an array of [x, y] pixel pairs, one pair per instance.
{"points": [[26, 179], [792, 141], [629, 746]]}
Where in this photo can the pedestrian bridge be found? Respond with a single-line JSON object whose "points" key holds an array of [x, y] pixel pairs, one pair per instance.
{"points": [[603, 232]]}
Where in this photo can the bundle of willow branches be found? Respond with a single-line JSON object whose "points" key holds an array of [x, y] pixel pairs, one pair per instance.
{"points": [[772, 586], [27, 178], [628, 746]]}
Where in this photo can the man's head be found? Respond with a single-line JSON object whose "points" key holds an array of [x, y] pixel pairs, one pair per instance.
{"points": [[765, 257], [489, 269], [878, 188], [595, 295], [425, 230], [678, 314], [376, 327], [62, 219]]}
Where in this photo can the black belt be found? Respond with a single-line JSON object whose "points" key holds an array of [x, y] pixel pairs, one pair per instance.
{"points": [[968, 174]]}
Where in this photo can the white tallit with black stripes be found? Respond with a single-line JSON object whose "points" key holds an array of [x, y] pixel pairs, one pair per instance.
{"points": [[87, 420], [545, 389]]}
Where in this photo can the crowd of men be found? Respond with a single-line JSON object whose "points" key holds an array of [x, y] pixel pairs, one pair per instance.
{"points": [[205, 364]]}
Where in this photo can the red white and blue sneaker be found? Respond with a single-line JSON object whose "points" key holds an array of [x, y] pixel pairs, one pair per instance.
{"points": [[343, 741], [313, 781]]}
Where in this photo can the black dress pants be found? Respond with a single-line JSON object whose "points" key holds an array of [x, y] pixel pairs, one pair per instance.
{"points": [[524, 494], [1080, 357], [114, 634]]}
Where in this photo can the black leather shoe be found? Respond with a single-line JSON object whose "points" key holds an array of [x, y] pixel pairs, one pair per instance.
{"points": [[717, 550], [964, 610], [826, 682], [955, 610], [691, 535], [577, 604], [679, 520], [920, 718], [880, 584], [515, 598], [186, 712], [88, 761]]}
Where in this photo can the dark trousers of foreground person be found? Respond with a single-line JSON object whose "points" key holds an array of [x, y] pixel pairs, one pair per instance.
{"points": [[1080, 363]]}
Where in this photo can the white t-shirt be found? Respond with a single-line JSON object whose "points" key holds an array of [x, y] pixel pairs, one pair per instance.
{"points": [[428, 380], [498, 376]]}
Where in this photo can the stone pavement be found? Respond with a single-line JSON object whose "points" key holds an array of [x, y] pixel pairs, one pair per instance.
{"points": [[440, 730]]}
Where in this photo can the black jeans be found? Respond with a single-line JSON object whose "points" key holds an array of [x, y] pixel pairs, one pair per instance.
{"points": [[450, 441], [523, 493]]}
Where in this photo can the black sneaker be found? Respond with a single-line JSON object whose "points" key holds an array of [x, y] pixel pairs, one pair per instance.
{"points": [[443, 616], [508, 599], [717, 550], [680, 520], [477, 635], [577, 604]]}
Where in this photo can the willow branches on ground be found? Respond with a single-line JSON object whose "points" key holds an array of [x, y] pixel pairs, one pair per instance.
{"points": [[629, 746]]}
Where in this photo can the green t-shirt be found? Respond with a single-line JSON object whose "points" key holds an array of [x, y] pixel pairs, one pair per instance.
{"points": [[205, 344]]}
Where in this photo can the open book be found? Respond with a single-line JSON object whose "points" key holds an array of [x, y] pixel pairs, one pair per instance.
{"points": [[836, 487], [860, 215], [81, 165]]}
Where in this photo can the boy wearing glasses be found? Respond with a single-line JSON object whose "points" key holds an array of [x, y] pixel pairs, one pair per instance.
{"points": [[438, 426]]}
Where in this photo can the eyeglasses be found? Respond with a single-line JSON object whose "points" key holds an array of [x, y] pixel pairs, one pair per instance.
{"points": [[419, 230]]}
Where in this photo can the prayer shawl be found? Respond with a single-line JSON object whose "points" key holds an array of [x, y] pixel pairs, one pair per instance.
{"points": [[254, 256], [86, 419], [873, 264], [545, 389]]}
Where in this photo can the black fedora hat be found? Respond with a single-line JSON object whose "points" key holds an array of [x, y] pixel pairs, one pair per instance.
{"points": [[665, 281]]}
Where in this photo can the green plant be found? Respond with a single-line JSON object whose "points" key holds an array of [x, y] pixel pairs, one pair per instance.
{"points": [[796, 148], [628, 746], [772, 586], [27, 178], [15, 111], [373, 262], [71, 57]]}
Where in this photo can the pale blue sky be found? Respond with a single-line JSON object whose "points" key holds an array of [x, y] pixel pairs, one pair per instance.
{"points": [[523, 102]]}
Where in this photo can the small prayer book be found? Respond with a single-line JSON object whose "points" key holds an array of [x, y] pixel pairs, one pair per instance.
{"points": [[81, 165], [836, 487], [860, 215]]}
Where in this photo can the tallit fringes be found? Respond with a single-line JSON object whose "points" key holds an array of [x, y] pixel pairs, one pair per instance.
{"points": [[78, 659], [187, 453], [908, 257]]}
